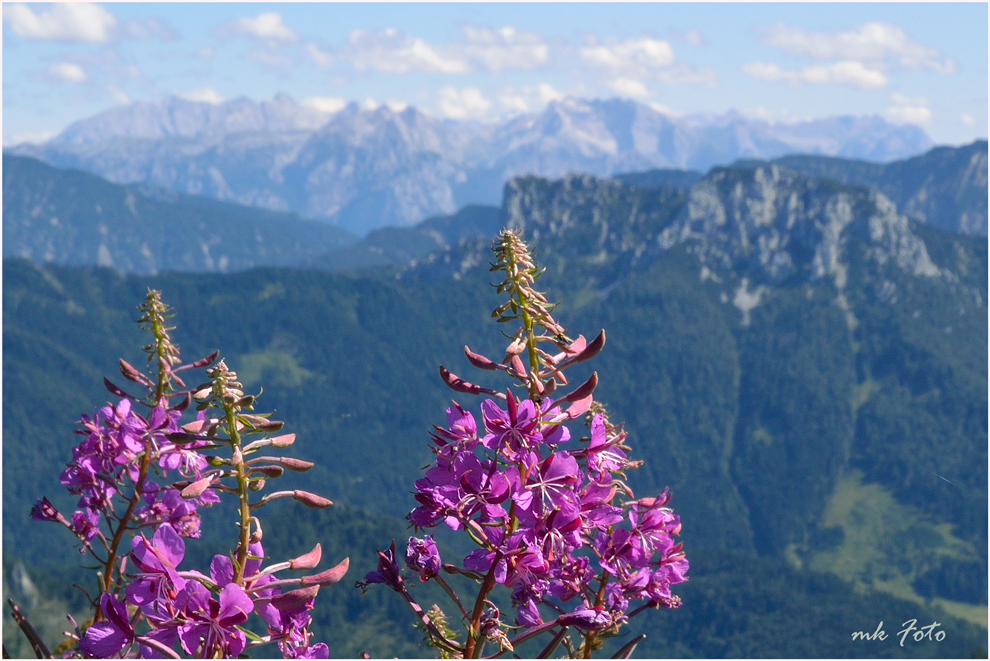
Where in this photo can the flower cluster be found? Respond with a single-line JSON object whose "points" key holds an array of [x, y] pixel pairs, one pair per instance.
{"points": [[142, 477], [553, 518]]}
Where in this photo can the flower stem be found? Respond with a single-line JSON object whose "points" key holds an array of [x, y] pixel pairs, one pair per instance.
{"points": [[242, 493]]}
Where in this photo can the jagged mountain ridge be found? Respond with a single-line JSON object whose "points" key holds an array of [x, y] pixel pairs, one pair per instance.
{"points": [[366, 168], [75, 218], [764, 222], [945, 187]]}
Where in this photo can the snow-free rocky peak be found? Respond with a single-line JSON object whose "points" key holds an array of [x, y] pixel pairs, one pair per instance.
{"points": [[771, 223]]}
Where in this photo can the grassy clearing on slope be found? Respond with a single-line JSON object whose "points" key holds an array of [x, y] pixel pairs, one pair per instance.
{"points": [[880, 544]]}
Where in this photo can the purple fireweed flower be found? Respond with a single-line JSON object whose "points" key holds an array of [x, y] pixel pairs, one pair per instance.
{"points": [[210, 626], [553, 432], [595, 507], [480, 561], [158, 582], [514, 431], [615, 599], [461, 434], [86, 523], [107, 639], [423, 556], [388, 571], [482, 488], [168, 506], [559, 533], [603, 455], [551, 487], [588, 618], [43, 510], [570, 577]]}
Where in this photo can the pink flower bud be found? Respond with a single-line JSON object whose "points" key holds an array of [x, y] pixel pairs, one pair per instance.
{"points": [[295, 599], [458, 384], [309, 560], [283, 441], [330, 576], [311, 500], [295, 465], [197, 488], [582, 391], [203, 362], [132, 374], [478, 360]]}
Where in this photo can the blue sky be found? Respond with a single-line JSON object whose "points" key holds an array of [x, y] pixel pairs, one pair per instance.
{"points": [[922, 63]]}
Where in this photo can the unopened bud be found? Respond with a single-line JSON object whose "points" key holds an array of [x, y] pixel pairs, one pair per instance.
{"points": [[582, 391], [295, 465], [197, 488], [283, 441], [478, 360], [311, 500], [458, 384], [132, 374], [256, 485], [295, 599], [330, 576], [268, 471], [309, 560]]}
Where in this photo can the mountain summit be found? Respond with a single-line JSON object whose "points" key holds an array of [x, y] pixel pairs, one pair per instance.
{"points": [[364, 168]]}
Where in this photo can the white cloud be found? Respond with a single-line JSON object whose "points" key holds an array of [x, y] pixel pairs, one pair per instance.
{"points": [[266, 27], [34, 137], [65, 71], [70, 21], [528, 97], [273, 61], [643, 59], [909, 110], [152, 28], [629, 87], [119, 96], [203, 95], [505, 49], [325, 104], [631, 54], [467, 102], [838, 73], [875, 44], [321, 58], [547, 93], [207, 53], [968, 120], [691, 36], [391, 51], [685, 74], [909, 115], [664, 110]]}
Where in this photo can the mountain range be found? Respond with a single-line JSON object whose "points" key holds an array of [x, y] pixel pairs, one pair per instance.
{"points": [[76, 218], [364, 168]]}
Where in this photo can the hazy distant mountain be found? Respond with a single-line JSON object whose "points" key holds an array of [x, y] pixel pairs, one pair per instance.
{"points": [[363, 169], [177, 117], [75, 218], [945, 187]]}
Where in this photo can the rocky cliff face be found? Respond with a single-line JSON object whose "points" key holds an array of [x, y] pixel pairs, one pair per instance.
{"points": [[945, 187], [772, 224]]}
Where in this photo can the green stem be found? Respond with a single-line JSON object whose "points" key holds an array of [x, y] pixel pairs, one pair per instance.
{"points": [[242, 493]]}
